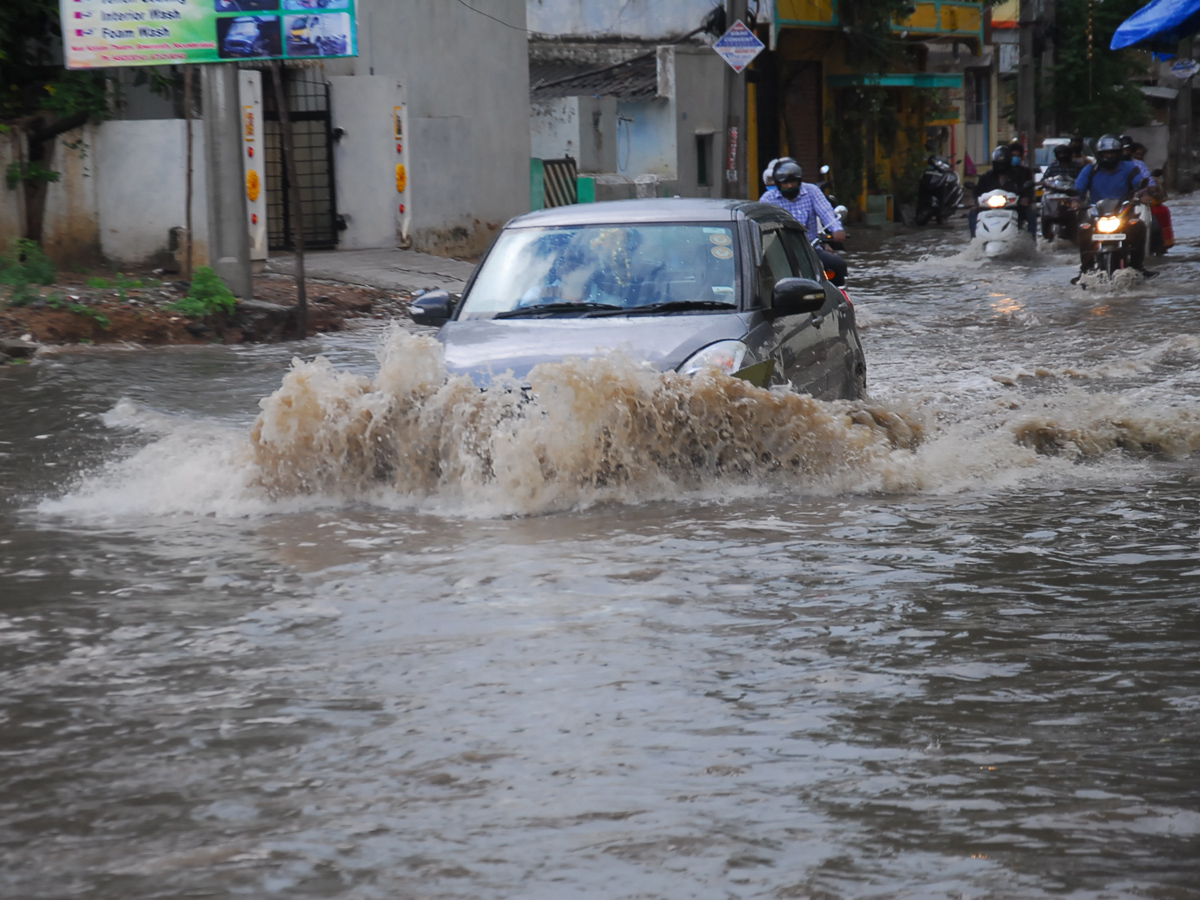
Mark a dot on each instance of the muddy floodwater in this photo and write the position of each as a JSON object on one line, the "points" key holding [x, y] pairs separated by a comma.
{"points": [[341, 629]]}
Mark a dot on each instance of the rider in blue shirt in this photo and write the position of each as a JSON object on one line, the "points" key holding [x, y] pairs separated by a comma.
{"points": [[1110, 177]]}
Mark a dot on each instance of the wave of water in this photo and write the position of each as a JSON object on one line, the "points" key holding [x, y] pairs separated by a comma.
{"points": [[608, 430]]}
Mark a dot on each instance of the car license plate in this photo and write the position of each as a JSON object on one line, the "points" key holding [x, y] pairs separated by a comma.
{"points": [[1108, 237]]}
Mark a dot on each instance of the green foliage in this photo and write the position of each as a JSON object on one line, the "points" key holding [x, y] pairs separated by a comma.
{"points": [[28, 173], [1099, 97], [31, 74], [80, 310], [22, 294], [26, 264], [120, 283], [207, 295]]}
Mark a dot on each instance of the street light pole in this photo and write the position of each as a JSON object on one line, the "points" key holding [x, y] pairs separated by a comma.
{"points": [[735, 115], [1026, 97]]}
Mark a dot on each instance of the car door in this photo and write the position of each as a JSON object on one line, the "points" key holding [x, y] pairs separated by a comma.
{"points": [[792, 341], [823, 353]]}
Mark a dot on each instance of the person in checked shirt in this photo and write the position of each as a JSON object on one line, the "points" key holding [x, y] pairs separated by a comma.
{"points": [[807, 204]]}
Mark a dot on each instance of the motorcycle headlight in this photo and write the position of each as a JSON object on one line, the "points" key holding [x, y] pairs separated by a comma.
{"points": [[1108, 224], [996, 202], [724, 356]]}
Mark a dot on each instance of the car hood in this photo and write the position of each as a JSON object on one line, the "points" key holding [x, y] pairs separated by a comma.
{"points": [[485, 348]]}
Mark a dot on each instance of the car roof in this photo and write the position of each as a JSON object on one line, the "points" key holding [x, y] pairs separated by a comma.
{"points": [[625, 212]]}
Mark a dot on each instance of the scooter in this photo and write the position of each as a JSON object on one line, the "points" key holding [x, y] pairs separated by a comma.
{"points": [[998, 227], [939, 193], [1060, 216]]}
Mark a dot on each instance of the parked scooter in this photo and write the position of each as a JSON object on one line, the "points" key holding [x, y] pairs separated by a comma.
{"points": [[939, 193], [998, 228], [1060, 211]]}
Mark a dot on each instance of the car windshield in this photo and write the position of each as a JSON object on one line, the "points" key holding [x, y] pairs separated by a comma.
{"points": [[607, 266]]}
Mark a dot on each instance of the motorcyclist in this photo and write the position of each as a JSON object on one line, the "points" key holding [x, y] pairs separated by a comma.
{"points": [[1065, 164], [1110, 177], [1127, 146], [1005, 177], [807, 204], [1024, 175], [1079, 150]]}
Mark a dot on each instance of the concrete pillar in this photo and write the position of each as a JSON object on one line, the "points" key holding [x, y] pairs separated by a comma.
{"points": [[228, 236]]}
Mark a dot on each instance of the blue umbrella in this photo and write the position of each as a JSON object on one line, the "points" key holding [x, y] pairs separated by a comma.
{"points": [[1161, 22]]}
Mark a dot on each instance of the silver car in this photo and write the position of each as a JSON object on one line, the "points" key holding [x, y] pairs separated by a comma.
{"points": [[681, 284]]}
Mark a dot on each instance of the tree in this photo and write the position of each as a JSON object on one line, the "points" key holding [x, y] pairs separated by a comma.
{"points": [[1099, 96]]}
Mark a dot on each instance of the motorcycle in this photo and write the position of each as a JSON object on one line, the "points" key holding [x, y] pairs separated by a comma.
{"points": [[939, 193], [1060, 215], [1111, 219], [998, 228], [824, 236]]}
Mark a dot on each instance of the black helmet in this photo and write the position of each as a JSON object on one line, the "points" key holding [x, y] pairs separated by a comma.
{"points": [[1108, 152], [1126, 140], [786, 169], [1062, 152], [1001, 158]]}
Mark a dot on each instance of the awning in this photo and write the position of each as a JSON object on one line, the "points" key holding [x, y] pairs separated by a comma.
{"points": [[911, 79], [1162, 22]]}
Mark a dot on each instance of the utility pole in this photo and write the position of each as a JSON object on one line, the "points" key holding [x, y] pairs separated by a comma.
{"points": [[1026, 96], [735, 115], [1181, 120], [228, 235], [1050, 118]]}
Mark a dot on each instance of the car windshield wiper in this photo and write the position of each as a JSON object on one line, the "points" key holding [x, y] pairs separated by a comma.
{"points": [[673, 306], [551, 308]]}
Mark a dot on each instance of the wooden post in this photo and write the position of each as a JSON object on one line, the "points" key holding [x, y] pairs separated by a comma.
{"points": [[289, 167]]}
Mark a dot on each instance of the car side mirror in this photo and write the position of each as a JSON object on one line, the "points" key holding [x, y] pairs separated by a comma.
{"points": [[796, 296], [432, 308]]}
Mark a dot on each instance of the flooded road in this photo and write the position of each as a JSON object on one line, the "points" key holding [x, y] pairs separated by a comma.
{"points": [[942, 644]]}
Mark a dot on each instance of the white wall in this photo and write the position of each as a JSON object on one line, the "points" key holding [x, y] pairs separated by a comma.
{"points": [[644, 19], [698, 101], [584, 128], [364, 159], [141, 169], [70, 217], [466, 78]]}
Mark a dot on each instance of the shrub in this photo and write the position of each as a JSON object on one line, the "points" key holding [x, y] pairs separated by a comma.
{"points": [[26, 264], [208, 294]]}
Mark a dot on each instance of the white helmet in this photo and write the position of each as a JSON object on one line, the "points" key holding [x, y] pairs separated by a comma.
{"points": [[769, 173]]}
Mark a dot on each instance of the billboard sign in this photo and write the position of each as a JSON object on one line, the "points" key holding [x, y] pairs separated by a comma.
{"points": [[102, 33]]}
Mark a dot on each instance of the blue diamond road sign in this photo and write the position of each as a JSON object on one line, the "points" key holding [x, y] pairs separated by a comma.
{"points": [[738, 46]]}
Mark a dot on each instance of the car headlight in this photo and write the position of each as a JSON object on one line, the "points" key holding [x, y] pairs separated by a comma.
{"points": [[997, 201], [725, 356], [1108, 224]]}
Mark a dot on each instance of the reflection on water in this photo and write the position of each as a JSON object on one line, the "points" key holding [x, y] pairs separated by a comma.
{"points": [[386, 637]]}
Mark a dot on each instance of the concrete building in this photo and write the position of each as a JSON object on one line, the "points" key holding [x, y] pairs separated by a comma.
{"points": [[630, 92], [422, 140]]}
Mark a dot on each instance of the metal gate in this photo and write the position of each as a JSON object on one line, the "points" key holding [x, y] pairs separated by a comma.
{"points": [[561, 185], [308, 110]]}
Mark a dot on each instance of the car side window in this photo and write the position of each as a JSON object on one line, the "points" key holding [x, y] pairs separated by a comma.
{"points": [[807, 264], [774, 263]]}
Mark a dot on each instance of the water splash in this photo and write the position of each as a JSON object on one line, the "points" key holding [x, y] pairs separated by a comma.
{"points": [[587, 431]]}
